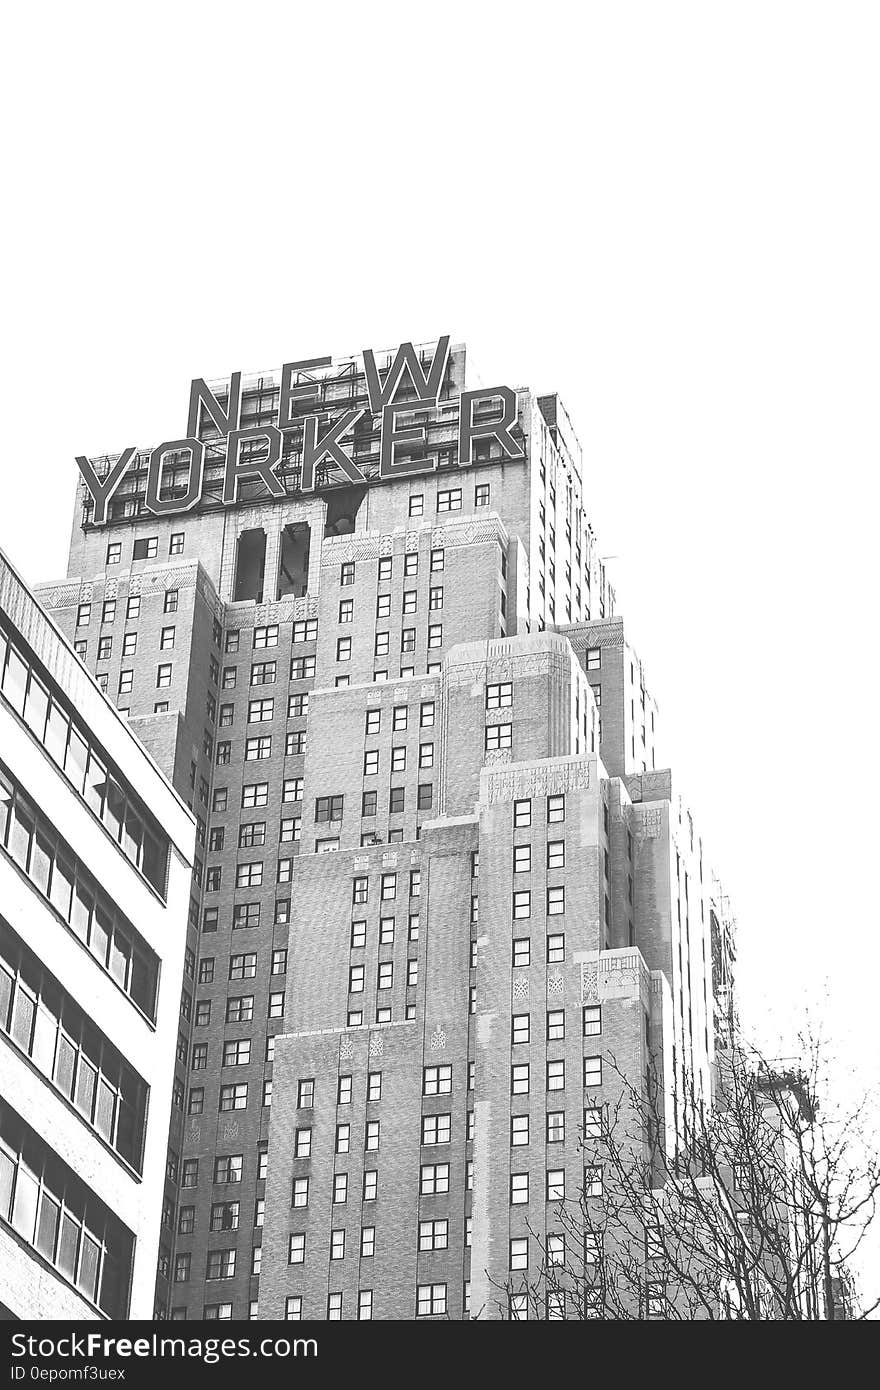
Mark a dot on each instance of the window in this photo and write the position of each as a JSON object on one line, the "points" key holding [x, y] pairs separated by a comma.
{"points": [[266, 636], [519, 1079], [343, 649], [346, 572], [410, 564], [449, 500], [291, 790], [520, 1028], [498, 736], [260, 711], [337, 1245], [481, 495], [371, 1136], [417, 504], [430, 1300], [163, 675], [233, 1097], [436, 1129], [594, 658], [556, 1076], [258, 749], [522, 814], [146, 549], [592, 1020], [592, 1071], [243, 966], [499, 696], [249, 875], [555, 948], [435, 635], [114, 553], [340, 1188], [522, 951], [433, 1179], [383, 606], [519, 1130], [296, 1254], [346, 610], [519, 1253], [385, 567], [132, 609], [522, 859], [166, 638], [555, 809], [437, 1081], [522, 903], [126, 682], [593, 1122], [254, 794], [328, 808], [593, 1186], [519, 1189], [555, 901], [555, 1025], [365, 1305]]}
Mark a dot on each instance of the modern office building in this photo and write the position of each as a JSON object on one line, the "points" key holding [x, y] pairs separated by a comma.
{"points": [[96, 854], [441, 891]]}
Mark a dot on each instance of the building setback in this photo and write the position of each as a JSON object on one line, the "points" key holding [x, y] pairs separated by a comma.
{"points": [[440, 885], [96, 855]]}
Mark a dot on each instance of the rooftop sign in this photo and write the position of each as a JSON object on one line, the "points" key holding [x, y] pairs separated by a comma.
{"points": [[254, 452]]}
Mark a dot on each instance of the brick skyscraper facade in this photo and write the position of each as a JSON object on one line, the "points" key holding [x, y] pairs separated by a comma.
{"points": [[440, 881]]}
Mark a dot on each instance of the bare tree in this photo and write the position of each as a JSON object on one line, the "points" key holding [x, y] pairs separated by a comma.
{"points": [[756, 1211]]}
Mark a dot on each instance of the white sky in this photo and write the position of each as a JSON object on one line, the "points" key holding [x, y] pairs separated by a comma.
{"points": [[669, 213]]}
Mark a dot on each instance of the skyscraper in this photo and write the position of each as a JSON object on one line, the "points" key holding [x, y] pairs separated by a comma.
{"points": [[95, 865], [441, 891]]}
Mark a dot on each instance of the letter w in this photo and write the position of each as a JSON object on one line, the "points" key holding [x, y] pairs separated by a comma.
{"points": [[427, 385]]}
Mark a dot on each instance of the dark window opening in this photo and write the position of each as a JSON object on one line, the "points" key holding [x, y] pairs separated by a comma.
{"points": [[250, 565], [293, 568]]}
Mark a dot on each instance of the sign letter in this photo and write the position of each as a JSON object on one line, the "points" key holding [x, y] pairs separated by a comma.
{"points": [[102, 489], [200, 396], [236, 469], [427, 386], [314, 451], [488, 429], [160, 505]]}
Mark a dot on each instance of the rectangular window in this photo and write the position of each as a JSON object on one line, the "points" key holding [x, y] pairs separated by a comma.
{"points": [[449, 500], [437, 1080], [499, 696], [592, 1020], [555, 901], [592, 1071]]}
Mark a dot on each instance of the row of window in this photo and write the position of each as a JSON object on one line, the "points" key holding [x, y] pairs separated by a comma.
{"points": [[449, 499], [520, 1074], [520, 1028], [242, 966], [146, 548], [130, 644], [555, 857], [34, 845], [66, 1047], [52, 1210], [436, 563], [89, 772], [522, 902], [554, 1185], [265, 673], [400, 718], [171, 603], [382, 645]]}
